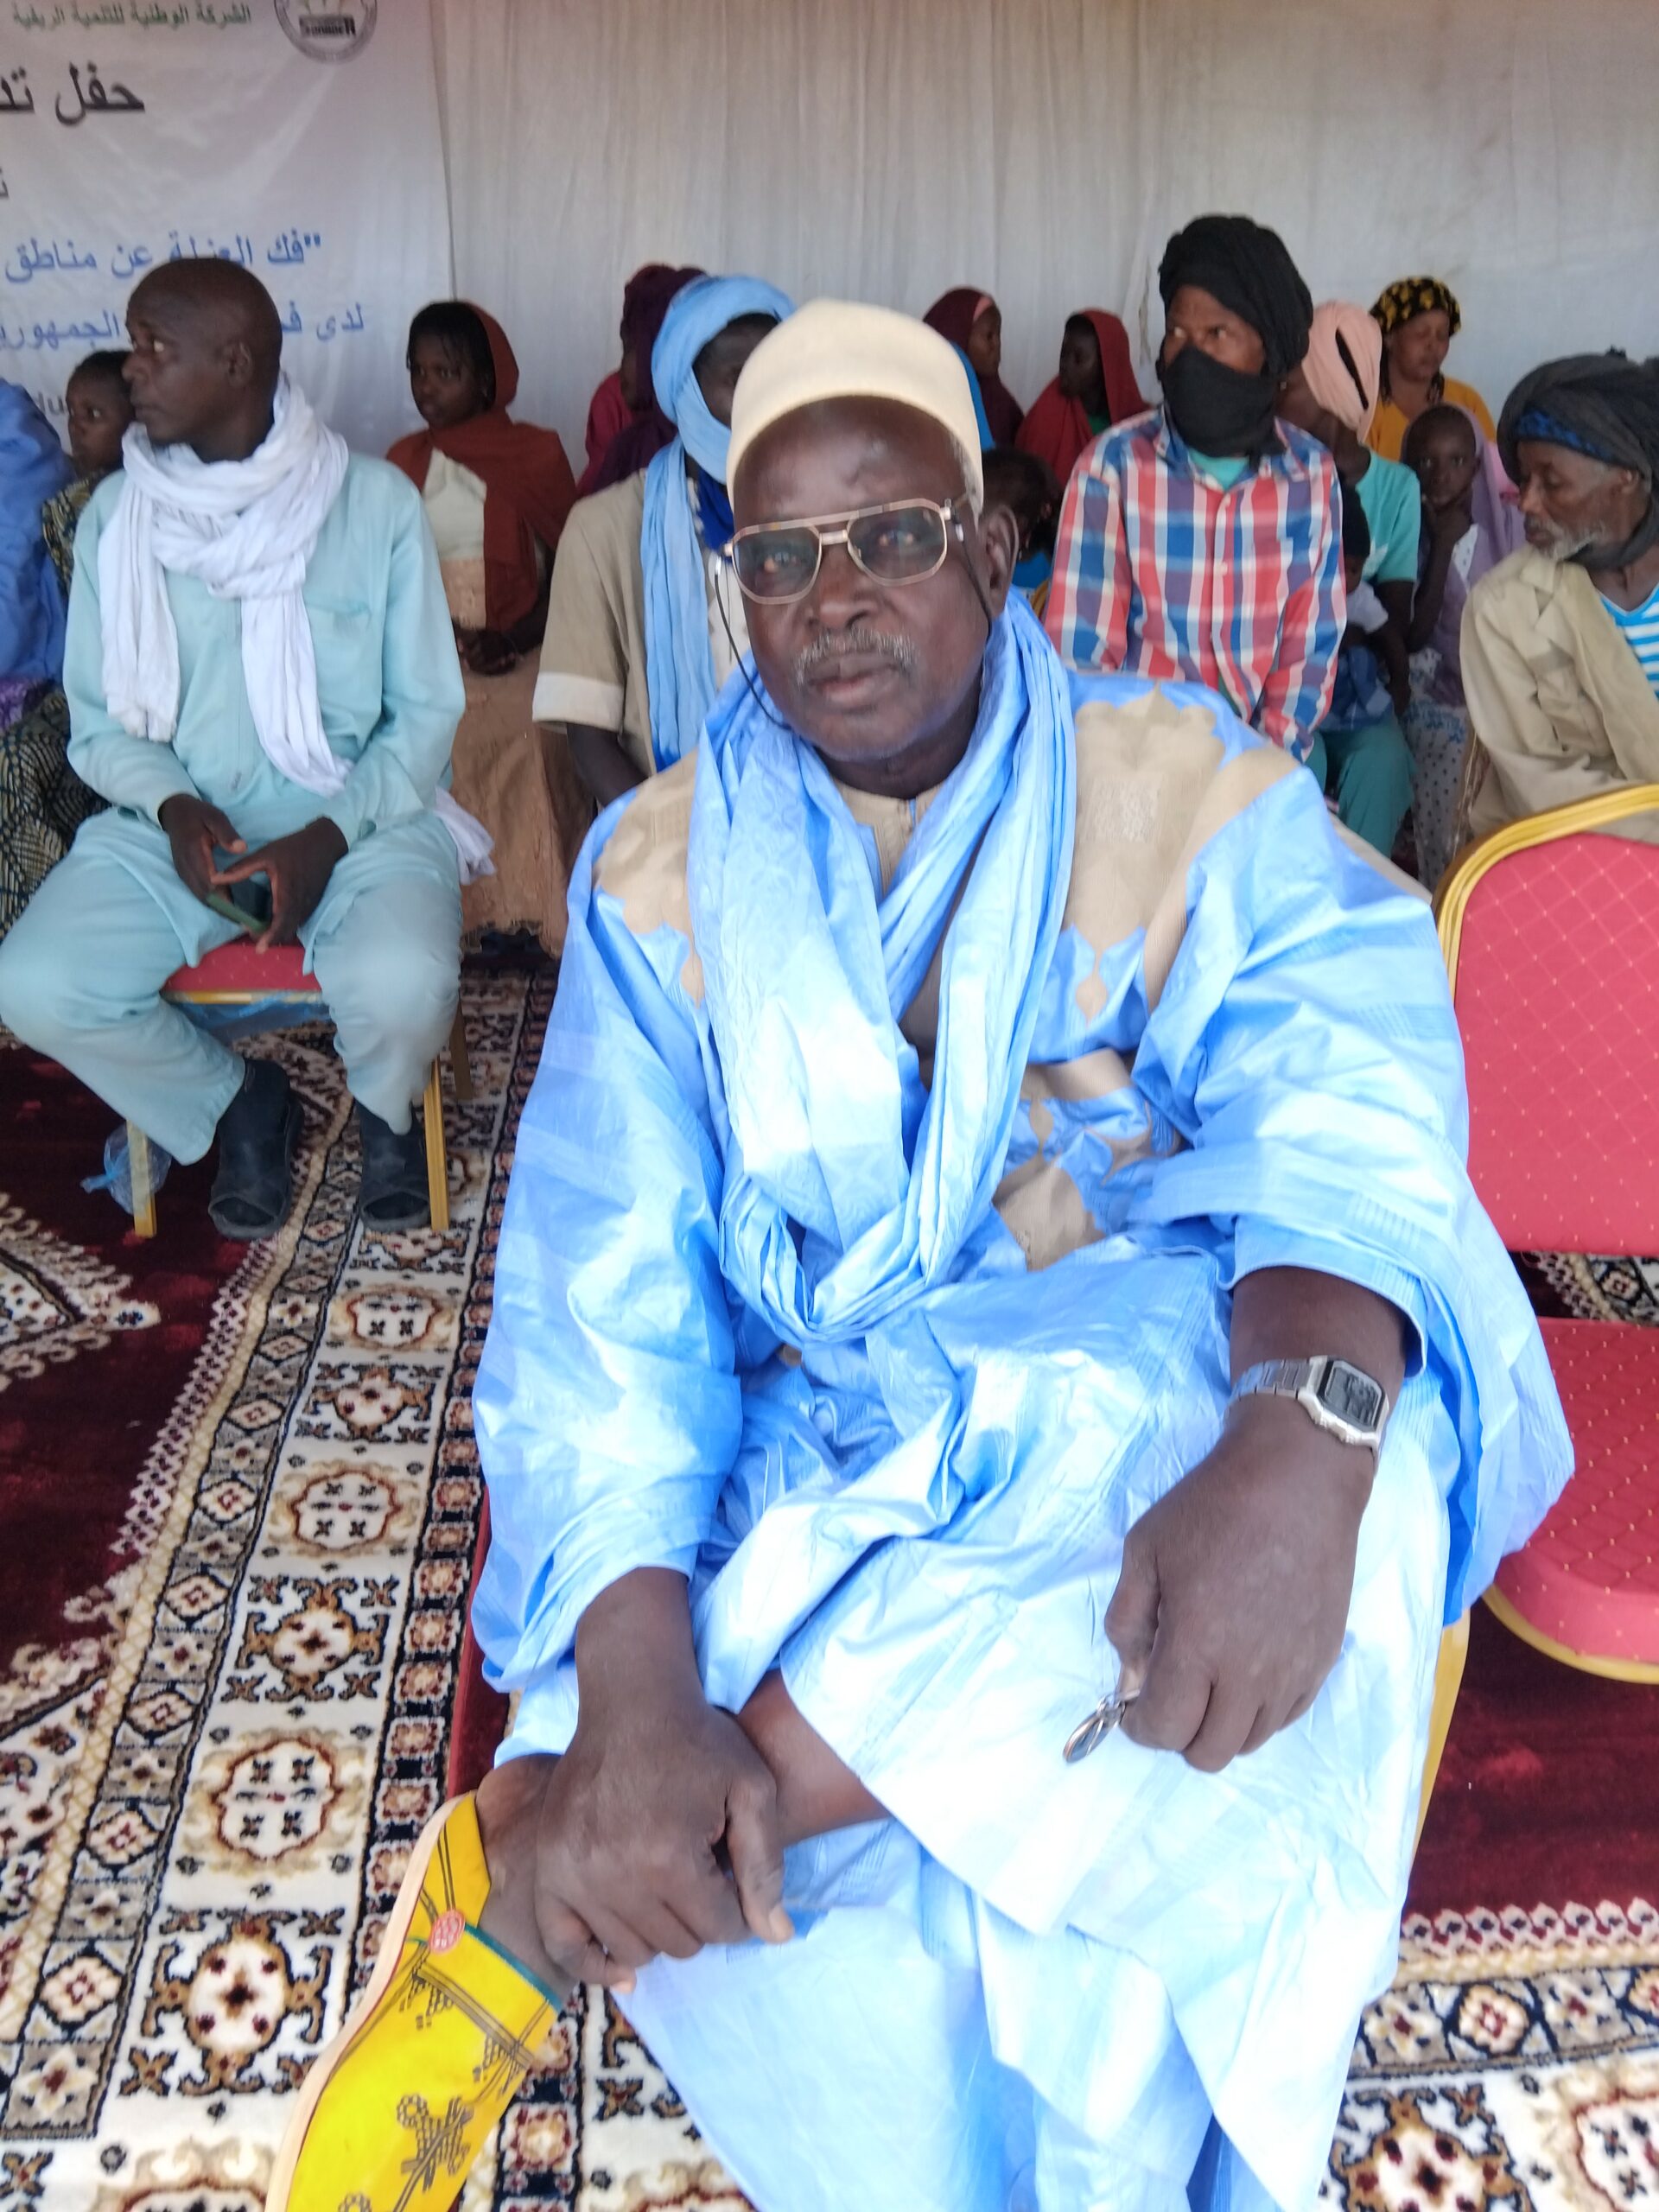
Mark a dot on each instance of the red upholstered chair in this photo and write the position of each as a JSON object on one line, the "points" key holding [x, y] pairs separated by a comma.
{"points": [[1551, 936], [235, 975]]}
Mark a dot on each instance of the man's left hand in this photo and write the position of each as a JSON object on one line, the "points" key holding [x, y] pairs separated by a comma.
{"points": [[299, 866], [1234, 1596]]}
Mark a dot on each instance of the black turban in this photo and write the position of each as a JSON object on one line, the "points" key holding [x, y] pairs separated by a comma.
{"points": [[1604, 404], [1247, 269]]}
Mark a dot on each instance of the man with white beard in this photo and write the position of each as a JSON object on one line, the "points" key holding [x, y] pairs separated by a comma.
{"points": [[1560, 642]]}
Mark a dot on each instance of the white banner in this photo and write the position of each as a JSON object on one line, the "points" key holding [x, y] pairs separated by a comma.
{"points": [[298, 137]]}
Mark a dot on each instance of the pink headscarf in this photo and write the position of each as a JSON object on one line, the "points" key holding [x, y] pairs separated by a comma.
{"points": [[1330, 379], [1497, 503]]}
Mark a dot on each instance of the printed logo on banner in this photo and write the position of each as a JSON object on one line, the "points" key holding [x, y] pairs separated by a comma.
{"points": [[328, 30]]}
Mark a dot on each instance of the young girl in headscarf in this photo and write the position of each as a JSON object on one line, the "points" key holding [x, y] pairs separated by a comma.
{"points": [[1094, 388], [647, 430], [1419, 317], [617, 398], [1470, 522], [496, 493], [972, 321]]}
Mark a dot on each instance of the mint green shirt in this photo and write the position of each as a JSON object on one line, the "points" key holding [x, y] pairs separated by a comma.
{"points": [[1393, 504], [389, 682]]}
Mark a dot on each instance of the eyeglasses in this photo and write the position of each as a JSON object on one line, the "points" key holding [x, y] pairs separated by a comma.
{"points": [[904, 542]]}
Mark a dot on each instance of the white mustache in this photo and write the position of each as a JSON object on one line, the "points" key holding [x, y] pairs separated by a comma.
{"points": [[1561, 545], [845, 644]]}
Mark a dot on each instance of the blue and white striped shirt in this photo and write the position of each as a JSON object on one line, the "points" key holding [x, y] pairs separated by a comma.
{"points": [[1639, 628]]}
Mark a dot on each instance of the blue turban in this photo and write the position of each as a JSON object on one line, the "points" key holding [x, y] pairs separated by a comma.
{"points": [[700, 311], [679, 663]]}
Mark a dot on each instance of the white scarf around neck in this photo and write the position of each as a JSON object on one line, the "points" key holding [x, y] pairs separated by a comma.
{"points": [[246, 529]]}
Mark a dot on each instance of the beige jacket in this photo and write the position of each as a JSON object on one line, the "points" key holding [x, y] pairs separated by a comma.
{"points": [[593, 667], [1557, 698]]}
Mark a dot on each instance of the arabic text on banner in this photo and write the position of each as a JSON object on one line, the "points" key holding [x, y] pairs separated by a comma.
{"points": [[298, 137]]}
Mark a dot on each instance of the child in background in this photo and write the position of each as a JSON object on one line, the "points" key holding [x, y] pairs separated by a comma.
{"points": [[42, 801], [1469, 523], [1361, 722], [99, 408], [1027, 488], [1096, 387]]}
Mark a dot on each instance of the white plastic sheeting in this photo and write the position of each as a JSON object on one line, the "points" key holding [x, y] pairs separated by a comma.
{"points": [[1045, 149]]}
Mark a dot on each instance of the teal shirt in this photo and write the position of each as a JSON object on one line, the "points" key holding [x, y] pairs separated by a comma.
{"points": [[388, 679], [1226, 468], [1392, 501]]}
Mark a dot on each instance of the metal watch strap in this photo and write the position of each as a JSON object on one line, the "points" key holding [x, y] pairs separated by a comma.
{"points": [[1335, 1394]]}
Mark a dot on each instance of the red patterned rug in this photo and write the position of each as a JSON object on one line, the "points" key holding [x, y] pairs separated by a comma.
{"points": [[238, 1507], [98, 1334], [1549, 1789]]}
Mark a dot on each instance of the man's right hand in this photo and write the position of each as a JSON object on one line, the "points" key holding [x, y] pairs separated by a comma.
{"points": [[193, 830], [621, 1850]]}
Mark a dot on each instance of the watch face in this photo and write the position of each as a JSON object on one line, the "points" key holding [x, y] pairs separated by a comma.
{"points": [[1351, 1397]]}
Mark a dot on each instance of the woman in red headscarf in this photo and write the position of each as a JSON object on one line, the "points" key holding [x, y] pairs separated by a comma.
{"points": [[620, 397], [496, 494], [646, 301], [972, 321], [1096, 387]]}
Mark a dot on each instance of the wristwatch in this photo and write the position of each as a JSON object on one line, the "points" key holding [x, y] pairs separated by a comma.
{"points": [[1335, 1394]]}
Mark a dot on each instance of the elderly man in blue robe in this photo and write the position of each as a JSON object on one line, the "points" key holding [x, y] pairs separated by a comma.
{"points": [[989, 1257]]}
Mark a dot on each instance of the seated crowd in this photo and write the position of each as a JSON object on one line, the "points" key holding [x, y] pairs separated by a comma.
{"points": [[1273, 417], [989, 1272]]}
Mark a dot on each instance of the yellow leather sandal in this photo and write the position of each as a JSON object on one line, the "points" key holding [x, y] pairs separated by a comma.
{"points": [[397, 2107]]}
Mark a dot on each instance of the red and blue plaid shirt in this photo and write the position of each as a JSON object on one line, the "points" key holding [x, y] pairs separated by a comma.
{"points": [[1160, 572]]}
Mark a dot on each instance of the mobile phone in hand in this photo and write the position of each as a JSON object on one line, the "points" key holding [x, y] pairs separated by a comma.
{"points": [[229, 910]]}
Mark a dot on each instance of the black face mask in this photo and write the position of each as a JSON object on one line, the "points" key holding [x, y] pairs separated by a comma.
{"points": [[1217, 409]]}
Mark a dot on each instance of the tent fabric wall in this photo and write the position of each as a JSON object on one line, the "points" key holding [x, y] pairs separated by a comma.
{"points": [[1044, 150]]}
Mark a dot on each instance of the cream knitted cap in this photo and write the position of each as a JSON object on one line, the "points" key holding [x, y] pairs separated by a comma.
{"points": [[841, 349]]}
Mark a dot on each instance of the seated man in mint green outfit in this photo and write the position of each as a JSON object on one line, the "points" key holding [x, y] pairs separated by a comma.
{"points": [[262, 684]]}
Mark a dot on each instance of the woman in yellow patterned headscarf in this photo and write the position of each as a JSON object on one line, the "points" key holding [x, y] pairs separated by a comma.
{"points": [[1419, 318]]}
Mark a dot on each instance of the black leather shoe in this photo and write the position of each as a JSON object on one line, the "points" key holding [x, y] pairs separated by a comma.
{"points": [[394, 1194], [258, 1138]]}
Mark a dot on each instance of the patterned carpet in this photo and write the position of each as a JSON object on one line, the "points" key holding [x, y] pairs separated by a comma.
{"points": [[238, 1498], [210, 1778]]}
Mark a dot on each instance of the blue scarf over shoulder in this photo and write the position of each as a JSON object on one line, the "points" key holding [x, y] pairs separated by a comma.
{"points": [[679, 665], [809, 966]]}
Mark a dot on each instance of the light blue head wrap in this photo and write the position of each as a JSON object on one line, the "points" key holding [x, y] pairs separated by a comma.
{"points": [[986, 440], [679, 665]]}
